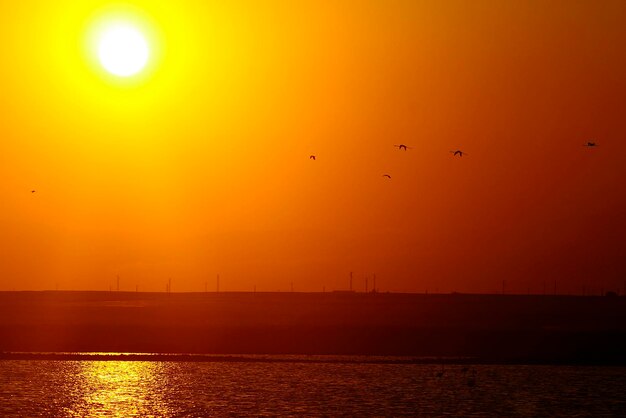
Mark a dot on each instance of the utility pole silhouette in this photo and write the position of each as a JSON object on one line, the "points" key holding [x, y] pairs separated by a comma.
{"points": [[218, 284], [555, 288], [291, 287], [503, 285], [366, 285], [205, 287], [118, 283], [136, 288], [169, 285], [351, 281], [374, 288]]}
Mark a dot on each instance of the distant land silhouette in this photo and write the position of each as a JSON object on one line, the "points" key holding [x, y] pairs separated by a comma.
{"points": [[485, 328]]}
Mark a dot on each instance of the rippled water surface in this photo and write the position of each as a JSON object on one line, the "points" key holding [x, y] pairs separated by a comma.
{"points": [[138, 388]]}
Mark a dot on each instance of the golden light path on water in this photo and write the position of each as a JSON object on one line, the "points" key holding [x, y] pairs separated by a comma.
{"points": [[32, 388], [120, 389]]}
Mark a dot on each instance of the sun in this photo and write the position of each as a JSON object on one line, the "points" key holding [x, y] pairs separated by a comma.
{"points": [[123, 50]]}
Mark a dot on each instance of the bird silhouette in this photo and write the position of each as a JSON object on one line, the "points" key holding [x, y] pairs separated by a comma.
{"points": [[402, 147], [387, 175], [590, 144], [471, 381], [33, 191], [312, 157], [459, 153]]}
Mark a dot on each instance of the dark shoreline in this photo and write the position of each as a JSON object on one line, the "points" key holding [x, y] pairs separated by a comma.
{"points": [[296, 359], [216, 358], [245, 327]]}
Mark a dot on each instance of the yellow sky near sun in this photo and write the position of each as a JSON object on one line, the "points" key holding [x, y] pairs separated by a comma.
{"points": [[200, 165]]}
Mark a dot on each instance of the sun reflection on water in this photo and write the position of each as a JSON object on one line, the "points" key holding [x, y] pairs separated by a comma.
{"points": [[173, 389], [120, 389]]}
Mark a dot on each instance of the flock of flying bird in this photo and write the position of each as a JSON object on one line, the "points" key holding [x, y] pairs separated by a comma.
{"points": [[455, 153], [404, 147]]}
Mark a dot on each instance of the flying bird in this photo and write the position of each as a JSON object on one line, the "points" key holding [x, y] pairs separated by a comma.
{"points": [[459, 153], [387, 175], [312, 157], [402, 147], [590, 144], [33, 191]]}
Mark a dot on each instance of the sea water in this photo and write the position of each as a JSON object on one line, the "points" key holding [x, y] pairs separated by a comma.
{"points": [[32, 388]]}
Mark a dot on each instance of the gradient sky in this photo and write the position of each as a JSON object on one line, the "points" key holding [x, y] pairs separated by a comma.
{"points": [[201, 166]]}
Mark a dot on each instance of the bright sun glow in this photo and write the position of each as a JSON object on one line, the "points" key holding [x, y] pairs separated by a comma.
{"points": [[123, 50]]}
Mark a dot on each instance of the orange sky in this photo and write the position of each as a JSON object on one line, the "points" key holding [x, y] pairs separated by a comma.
{"points": [[202, 166]]}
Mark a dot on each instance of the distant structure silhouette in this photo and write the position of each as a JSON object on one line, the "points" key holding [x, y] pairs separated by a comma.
{"points": [[458, 152], [387, 175], [590, 144], [312, 157], [402, 147]]}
